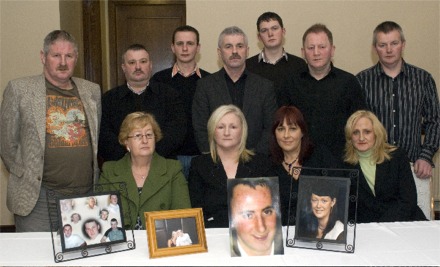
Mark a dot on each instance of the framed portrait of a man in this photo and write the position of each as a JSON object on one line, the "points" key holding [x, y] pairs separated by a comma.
{"points": [[254, 217]]}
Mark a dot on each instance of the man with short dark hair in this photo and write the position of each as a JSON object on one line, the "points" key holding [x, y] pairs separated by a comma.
{"points": [[141, 94], [183, 77], [273, 62]]}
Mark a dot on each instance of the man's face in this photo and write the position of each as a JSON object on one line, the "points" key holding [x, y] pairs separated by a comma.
{"points": [[389, 48], [67, 231], [317, 51], [92, 229], [114, 225], [104, 215], [185, 47], [254, 219], [137, 66], [114, 199], [233, 51], [271, 34], [60, 62]]}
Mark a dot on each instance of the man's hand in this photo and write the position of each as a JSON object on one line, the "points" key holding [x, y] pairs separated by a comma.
{"points": [[422, 169]]}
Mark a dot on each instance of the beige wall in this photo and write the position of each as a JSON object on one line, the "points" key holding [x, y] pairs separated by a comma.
{"points": [[23, 25]]}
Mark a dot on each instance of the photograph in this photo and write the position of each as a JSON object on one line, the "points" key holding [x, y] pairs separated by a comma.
{"points": [[175, 232], [322, 209], [90, 220], [254, 217]]}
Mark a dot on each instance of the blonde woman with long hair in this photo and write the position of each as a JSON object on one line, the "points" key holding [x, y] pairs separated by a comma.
{"points": [[386, 191]]}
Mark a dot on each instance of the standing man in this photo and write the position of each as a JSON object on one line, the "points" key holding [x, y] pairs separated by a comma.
{"points": [[183, 77], [49, 133], [326, 95], [405, 99], [233, 84], [141, 94], [273, 62]]}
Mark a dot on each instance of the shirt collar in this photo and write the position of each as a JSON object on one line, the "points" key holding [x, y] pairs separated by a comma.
{"points": [[244, 254], [137, 92], [261, 57], [177, 70], [403, 70]]}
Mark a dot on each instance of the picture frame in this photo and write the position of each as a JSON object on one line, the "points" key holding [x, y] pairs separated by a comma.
{"points": [[68, 205], [90, 218], [325, 210], [254, 210], [188, 237]]}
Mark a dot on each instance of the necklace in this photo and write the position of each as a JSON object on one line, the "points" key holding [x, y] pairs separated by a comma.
{"points": [[291, 163]]}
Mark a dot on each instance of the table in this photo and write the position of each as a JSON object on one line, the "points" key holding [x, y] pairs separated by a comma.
{"points": [[400, 243]]}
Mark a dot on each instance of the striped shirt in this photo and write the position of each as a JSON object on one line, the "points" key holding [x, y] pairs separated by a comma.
{"points": [[405, 105]]}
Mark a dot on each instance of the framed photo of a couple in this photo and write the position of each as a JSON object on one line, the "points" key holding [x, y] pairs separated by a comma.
{"points": [[175, 232], [92, 220]]}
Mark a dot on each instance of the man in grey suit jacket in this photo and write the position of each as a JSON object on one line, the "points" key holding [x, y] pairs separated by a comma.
{"points": [[233, 84], [48, 133]]}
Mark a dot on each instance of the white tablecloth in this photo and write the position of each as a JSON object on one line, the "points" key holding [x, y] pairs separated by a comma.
{"points": [[401, 243]]}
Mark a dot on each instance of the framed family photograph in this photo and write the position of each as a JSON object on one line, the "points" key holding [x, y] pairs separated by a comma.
{"points": [[326, 212], [255, 217], [175, 232], [90, 220]]}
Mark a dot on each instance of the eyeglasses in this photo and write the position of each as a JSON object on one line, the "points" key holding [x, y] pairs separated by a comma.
{"points": [[138, 137]]}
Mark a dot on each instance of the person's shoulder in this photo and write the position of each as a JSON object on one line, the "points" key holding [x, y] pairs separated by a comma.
{"points": [[342, 73], [162, 75], [296, 59], [115, 91], [25, 81], [202, 159], [204, 72], [259, 79], [115, 164], [80, 81], [252, 60], [411, 68], [367, 71]]}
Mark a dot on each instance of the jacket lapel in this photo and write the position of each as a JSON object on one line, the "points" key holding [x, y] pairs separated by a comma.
{"points": [[39, 107], [155, 180]]}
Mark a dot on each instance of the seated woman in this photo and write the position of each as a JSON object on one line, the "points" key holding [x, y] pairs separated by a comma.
{"points": [[228, 159], [321, 214], [153, 182], [386, 191], [291, 149]]}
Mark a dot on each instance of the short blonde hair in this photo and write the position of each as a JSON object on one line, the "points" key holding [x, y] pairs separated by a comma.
{"points": [[380, 150], [138, 120], [216, 116]]}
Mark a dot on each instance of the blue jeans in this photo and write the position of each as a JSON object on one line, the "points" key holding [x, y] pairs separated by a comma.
{"points": [[186, 164]]}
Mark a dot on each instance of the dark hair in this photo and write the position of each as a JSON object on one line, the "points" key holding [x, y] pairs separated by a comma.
{"points": [[186, 28], [318, 28], [66, 226], [114, 220], [268, 16], [292, 115], [386, 27], [321, 189], [133, 47]]}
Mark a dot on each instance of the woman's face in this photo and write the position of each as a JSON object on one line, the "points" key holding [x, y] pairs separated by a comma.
{"points": [[289, 137], [141, 142], [363, 137], [322, 206], [228, 132]]}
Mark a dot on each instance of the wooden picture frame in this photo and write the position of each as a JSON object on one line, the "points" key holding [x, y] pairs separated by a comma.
{"points": [[161, 225]]}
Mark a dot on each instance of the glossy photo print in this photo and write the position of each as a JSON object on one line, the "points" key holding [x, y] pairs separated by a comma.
{"points": [[90, 221], [254, 217]]}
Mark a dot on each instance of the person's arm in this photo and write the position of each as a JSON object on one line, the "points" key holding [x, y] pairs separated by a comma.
{"points": [[174, 130], [108, 143], [179, 191], [269, 109], [200, 117], [10, 130], [195, 184], [406, 203], [431, 123]]}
